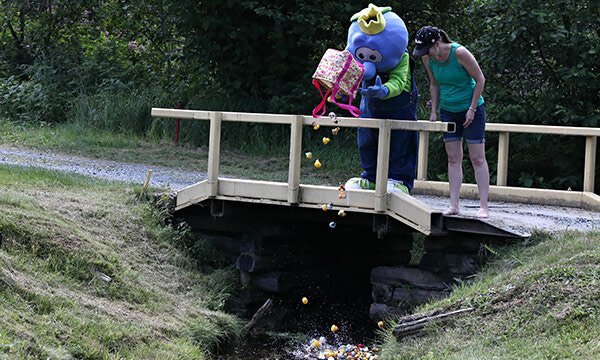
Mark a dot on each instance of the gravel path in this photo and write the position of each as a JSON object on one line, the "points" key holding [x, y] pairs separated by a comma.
{"points": [[135, 173], [523, 218]]}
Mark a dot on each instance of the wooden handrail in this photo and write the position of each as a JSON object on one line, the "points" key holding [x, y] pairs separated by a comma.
{"points": [[585, 198], [504, 130], [421, 125]]}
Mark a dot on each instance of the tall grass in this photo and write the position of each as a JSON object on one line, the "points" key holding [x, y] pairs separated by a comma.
{"points": [[86, 271], [537, 300]]}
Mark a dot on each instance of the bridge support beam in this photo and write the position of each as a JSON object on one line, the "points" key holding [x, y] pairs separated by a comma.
{"points": [[213, 152], [590, 164], [383, 155], [295, 156]]}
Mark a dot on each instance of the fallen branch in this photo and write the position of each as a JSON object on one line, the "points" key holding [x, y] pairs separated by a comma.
{"points": [[415, 324], [262, 311]]}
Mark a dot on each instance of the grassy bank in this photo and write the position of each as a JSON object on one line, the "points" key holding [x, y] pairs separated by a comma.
{"points": [[538, 300], [88, 272]]}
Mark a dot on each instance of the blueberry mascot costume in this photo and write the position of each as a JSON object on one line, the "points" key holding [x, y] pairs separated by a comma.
{"points": [[378, 38]]}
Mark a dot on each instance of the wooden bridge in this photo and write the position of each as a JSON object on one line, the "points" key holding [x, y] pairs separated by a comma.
{"points": [[400, 207], [278, 236]]}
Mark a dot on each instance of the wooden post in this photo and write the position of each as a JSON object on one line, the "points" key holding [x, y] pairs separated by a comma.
{"points": [[146, 183], [502, 172], [383, 162], [590, 164], [214, 145], [295, 156], [423, 155]]}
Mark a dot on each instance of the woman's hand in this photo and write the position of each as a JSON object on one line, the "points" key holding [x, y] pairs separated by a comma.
{"points": [[469, 118], [433, 116]]}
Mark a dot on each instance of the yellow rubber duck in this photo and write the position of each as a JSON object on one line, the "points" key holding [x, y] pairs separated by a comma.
{"points": [[308, 155], [326, 140], [317, 163]]}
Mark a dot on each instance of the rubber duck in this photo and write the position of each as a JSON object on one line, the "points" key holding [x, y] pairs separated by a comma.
{"points": [[308, 155], [341, 213], [335, 130], [342, 195], [317, 163], [334, 328], [326, 140], [332, 225], [315, 125], [304, 300]]}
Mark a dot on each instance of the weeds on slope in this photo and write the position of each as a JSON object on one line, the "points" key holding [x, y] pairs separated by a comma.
{"points": [[86, 271], [537, 300]]}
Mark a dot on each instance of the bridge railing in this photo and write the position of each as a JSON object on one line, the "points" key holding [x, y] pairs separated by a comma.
{"points": [[297, 122], [500, 191], [586, 198]]}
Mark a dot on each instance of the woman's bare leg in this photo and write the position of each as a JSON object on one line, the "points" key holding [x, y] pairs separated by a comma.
{"points": [[482, 177], [454, 149]]}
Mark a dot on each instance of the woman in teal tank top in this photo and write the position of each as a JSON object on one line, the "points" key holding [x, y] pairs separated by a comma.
{"points": [[456, 84]]}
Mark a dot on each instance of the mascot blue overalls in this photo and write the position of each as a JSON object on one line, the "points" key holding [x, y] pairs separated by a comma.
{"points": [[378, 38]]}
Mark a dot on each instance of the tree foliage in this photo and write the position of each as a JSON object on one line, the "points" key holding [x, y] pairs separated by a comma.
{"points": [[539, 58]]}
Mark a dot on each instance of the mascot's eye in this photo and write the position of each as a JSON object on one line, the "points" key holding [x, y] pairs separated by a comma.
{"points": [[368, 54]]}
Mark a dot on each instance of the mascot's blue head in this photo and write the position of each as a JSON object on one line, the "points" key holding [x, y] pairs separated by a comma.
{"points": [[377, 38]]}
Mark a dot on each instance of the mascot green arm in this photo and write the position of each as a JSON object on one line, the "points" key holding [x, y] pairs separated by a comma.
{"points": [[400, 78]]}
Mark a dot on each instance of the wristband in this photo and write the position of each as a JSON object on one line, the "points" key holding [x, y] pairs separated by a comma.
{"points": [[473, 110]]}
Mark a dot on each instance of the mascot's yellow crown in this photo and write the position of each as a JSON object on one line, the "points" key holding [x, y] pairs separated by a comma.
{"points": [[371, 20]]}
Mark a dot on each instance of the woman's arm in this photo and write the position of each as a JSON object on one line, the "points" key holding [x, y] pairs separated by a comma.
{"points": [[468, 61], [434, 90]]}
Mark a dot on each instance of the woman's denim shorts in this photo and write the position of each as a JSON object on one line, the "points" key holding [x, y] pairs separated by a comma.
{"points": [[473, 134]]}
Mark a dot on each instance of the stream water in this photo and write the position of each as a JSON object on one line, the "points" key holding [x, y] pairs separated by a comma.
{"points": [[333, 329], [296, 346]]}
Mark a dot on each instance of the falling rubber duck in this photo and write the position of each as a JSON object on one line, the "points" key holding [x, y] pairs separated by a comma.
{"points": [[326, 140], [334, 328], [305, 300], [333, 117], [317, 163], [380, 324], [332, 224], [315, 125], [308, 155], [341, 213], [335, 130], [342, 195]]}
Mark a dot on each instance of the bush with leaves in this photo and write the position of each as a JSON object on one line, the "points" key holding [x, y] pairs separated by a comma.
{"points": [[540, 60]]}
